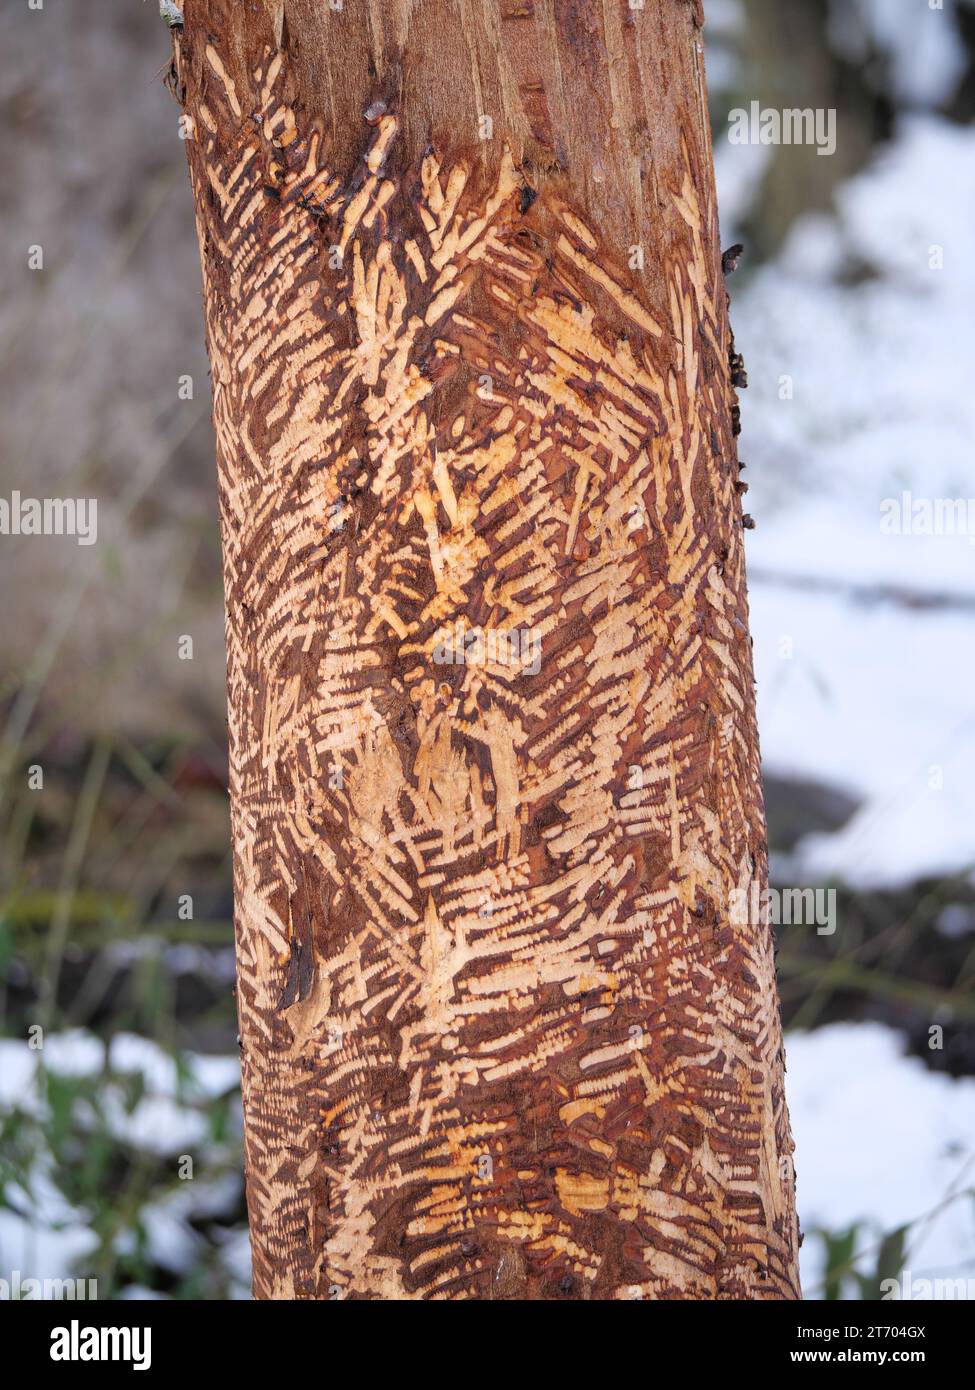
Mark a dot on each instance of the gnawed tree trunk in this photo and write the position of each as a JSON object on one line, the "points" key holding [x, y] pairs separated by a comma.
{"points": [[494, 765]]}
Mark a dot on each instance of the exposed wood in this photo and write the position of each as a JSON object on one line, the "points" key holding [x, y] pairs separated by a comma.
{"points": [[501, 1037]]}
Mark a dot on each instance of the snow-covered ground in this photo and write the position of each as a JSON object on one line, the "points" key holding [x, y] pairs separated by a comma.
{"points": [[42, 1235], [859, 394], [858, 344], [882, 1141]]}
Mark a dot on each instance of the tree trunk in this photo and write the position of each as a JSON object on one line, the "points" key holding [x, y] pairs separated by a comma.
{"points": [[493, 758]]}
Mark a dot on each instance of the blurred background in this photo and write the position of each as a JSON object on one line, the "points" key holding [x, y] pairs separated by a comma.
{"points": [[120, 1145]]}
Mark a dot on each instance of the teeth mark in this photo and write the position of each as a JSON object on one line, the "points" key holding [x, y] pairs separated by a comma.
{"points": [[217, 67], [506, 866]]}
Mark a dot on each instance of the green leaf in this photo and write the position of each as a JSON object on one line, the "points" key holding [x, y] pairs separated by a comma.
{"points": [[840, 1247]]}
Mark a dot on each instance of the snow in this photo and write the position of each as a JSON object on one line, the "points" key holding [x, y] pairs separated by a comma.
{"points": [[919, 41], [870, 701], [882, 1140], [236, 1254], [880, 678], [41, 1234], [48, 1243], [41, 1251], [210, 1076], [738, 171], [171, 1240]]}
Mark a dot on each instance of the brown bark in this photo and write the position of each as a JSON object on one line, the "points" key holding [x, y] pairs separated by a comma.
{"points": [[501, 1035]]}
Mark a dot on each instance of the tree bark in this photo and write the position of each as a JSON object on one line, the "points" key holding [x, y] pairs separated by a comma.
{"points": [[493, 758]]}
